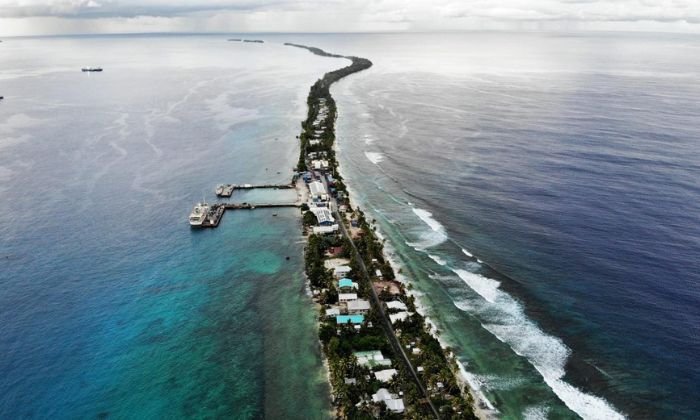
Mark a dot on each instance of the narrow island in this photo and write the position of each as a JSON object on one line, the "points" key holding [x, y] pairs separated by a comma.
{"points": [[383, 358]]}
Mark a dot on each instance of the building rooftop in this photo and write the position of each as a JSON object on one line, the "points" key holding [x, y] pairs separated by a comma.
{"points": [[349, 319], [371, 358], [358, 305], [398, 316], [346, 282], [385, 375], [344, 297], [395, 304], [317, 188]]}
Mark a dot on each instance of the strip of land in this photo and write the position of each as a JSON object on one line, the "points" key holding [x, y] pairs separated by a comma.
{"points": [[383, 359]]}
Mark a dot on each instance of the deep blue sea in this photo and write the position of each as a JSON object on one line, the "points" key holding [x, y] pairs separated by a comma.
{"points": [[540, 192], [110, 305]]}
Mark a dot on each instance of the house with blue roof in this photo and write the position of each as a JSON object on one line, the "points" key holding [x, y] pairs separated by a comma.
{"points": [[350, 319], [347, 283]]}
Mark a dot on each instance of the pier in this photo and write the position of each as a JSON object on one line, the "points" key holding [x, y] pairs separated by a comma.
{"points": [[217, 210], [227, 190]]}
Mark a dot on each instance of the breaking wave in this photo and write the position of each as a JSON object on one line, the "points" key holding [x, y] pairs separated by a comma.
{"points": [[374, 157], [435, 236], [504, 317], [437, 259]]}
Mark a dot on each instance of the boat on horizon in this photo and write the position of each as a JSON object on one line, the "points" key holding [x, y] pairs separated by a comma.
{"points": [[91, 69], [199, 214]]}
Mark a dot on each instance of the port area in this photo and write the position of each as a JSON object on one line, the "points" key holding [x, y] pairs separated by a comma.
{"points": [[217, 210]]}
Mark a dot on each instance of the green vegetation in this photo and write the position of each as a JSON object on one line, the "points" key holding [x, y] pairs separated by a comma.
{"points": [[435, 389]]}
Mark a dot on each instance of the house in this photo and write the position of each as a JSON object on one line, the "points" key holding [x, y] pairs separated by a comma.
{"points": [[324, 230], [320, 165], [396, 304], [400, 316], [358, 306], [349, 319], [317, 189], [342, 270], [385, 375], [371, 358], [347, 297], [347, 283], [314, 142], [392, 401], [323, 215], [332, 311], [378, 273]]}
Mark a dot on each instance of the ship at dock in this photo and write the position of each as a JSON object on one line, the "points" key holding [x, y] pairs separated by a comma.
{"points": [[199, 214]]}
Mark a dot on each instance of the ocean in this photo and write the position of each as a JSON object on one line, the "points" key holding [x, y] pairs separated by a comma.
{"points": [[110, 305], [540, 192]]}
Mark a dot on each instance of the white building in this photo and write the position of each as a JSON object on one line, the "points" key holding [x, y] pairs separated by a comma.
{"points": [[385, 375], [347, 297], [392, 401], [317, 189], [323, 230], [320, 164], [359, 306], [323, 215], [400, 316], [395, 304], [371, 358], [332, 312], [342, 271]]}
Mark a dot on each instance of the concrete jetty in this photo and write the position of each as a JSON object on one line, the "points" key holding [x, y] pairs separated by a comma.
{"points": [[227, 190]]}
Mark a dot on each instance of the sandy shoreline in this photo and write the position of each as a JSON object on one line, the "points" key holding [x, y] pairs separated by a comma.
{"points": [[483, 408]]}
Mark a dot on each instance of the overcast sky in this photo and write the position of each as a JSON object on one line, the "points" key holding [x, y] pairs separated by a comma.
{"points": [[35, 17]]}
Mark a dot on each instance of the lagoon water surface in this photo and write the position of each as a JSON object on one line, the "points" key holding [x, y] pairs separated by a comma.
{"points": [[110, 305]]}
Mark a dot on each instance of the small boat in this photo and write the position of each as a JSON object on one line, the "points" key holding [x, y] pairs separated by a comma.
{"points": [[91, 69], [199, 214]]}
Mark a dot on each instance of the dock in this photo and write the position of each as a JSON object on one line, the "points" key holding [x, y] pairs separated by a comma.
{"points": [[227, 190], [216, 213]]}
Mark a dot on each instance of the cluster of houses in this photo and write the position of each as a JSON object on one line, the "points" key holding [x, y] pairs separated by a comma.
{"points": [[350, 308], [374, 359]]}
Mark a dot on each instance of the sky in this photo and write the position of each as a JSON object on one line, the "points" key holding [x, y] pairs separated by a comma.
{"points": [[36, 17]]}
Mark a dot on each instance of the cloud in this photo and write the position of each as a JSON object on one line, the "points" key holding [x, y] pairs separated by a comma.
{"points": [[128, 8], [342, 15]]}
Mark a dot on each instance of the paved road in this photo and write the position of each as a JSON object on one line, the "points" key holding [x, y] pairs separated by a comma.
{"points": [[386, 322]]}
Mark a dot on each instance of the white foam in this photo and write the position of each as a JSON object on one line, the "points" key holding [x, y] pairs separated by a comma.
{"points": [[486, 288], [475, 385], [467, 253], [427, 217], [504, 317], [437, 259], [536, 412], [374, 157]]}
